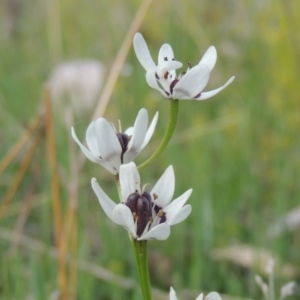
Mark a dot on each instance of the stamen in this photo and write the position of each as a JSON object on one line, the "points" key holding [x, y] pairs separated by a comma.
{"points": [[165, 59], [144, 187], [166, 75], [120, 126], [154, 196], [160, 213], [172, 85]]}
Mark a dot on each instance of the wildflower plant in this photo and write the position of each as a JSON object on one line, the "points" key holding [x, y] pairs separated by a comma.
{"points": [[147, 212]]}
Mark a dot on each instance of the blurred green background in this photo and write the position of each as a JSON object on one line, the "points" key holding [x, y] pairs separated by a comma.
{"points": [[239, 151]]}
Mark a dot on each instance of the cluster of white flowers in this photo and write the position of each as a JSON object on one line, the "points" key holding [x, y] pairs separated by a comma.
{"points": [[147, 215]]}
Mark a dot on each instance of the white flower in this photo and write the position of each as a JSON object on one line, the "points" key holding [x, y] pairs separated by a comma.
{"points": [[111, 149], [162, 77], [145, 215], [210, 296]]}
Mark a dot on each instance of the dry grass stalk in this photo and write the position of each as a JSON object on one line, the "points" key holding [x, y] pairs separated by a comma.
{"points": [[120, 59], [16, 148], [56, 201], [12, 189]]}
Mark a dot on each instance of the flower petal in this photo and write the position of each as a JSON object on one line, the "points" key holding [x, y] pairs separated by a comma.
{"points": [[159, 232], [139, 133], [200, 297], [213, 296], [91, 156], [152, 82], [108, 143], [165, 53], [163, 190], [142, 52], [172, 294], [86, 152], [178, 203], [209, 58], [167, 66], [175, 211], [129, 131], [150, 131], [192, 83], [206, 95], [122, 215], [180, 216], [129, 180], [91, 139], [106, 203]]}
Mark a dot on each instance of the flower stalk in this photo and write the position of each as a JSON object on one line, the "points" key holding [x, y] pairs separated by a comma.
{"points": [[141, 259], [173, 116]]}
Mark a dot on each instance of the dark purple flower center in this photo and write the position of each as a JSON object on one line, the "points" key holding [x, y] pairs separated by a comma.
{"points": [[124, 140], [141, 208]]}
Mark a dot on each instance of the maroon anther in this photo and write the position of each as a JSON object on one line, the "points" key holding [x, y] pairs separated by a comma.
{"points": [[172, 85]]}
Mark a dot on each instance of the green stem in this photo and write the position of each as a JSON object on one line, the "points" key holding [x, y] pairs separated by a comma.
{"points": [[140, 254], [170, 130]]}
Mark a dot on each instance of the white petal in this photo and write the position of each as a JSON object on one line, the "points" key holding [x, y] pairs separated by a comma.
{"points": [[159, 232], [122, 215], [206, 95], [166, 66], [200, 297], [150, 131], [165, 52], [87, 152], [129, 131], [209, 58], [178, 203], [152, 81], [192, 83], [129, 180], [91, 139], [91, 156], [142, 52], [180, 216], [106, 203], [108, 143], [172, 294], [164, 188], [139, 133], [213, 296]]}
